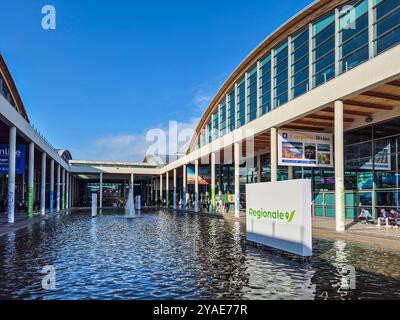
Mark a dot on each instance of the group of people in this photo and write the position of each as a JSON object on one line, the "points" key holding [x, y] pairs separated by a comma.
{"points": [[390, 218], [20, 206]]}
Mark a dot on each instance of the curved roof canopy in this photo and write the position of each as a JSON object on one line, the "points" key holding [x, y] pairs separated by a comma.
{"points": [[311, 13], [16, 100]]}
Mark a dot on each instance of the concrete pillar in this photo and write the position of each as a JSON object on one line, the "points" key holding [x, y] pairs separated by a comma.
{"points": [[11, 174], [31, 176], [184, 187], [43, 185], [58, 207], [167, 189], [258, 168], [196, 185], [51, 206], [67, 192], [161, 190], [174, 196], [274, 153], [290, 173], [155, 190], [212, 187], [101, 191], [339, 168], [237, 178], [63, 190]]}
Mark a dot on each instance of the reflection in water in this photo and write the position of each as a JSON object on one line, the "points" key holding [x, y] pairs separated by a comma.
{"points": [[179, 256]]}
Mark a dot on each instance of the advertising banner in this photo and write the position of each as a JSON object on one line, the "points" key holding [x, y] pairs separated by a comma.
{"points": [[278, 215], [382, 160], [204, 175], [305, 149], [20, 159]]}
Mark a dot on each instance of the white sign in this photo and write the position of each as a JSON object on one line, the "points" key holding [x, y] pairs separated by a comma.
{"points": [[279, 215], [305, 149]]}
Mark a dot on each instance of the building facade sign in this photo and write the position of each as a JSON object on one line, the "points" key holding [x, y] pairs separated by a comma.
{"points": [[305, 149]]}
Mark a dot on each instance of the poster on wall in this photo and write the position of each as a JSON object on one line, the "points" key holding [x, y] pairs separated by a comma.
{"points": [[20, 159], [203, 175], [382, 160], [305, 149]]}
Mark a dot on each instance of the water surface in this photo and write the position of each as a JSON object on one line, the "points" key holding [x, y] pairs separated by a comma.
{"points": [[166, 255]]}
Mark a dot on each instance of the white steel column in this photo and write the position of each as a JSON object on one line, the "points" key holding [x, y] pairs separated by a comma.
{"points": [[184, 187], [274, 160], [155, 191], [31, 175], [237, 178], [339, 168], [101, 191], [43, 186], [58, 187], [213, 204], [63, 190], [67, 192], [174, 197], [290, 173], [196, 185], [11, 174], [167, 189], [161, 190], [51, 206], [371, 29]]}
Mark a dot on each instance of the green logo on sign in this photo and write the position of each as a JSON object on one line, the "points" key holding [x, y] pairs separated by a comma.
{"points": [[276, 215]]}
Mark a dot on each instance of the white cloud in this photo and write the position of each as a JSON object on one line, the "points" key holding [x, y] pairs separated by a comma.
{"points": [[134, 147]]}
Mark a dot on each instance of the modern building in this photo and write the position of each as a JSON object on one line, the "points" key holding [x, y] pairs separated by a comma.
{"points": [[332, 71]]}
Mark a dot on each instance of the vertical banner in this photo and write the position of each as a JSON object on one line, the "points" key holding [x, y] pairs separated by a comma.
{"points": [[51, 201], [213, 205], [20, 154], [305, 149], [30, 202]]}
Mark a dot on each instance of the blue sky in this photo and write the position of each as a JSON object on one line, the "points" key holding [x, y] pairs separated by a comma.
{"points": [[112, 70]]}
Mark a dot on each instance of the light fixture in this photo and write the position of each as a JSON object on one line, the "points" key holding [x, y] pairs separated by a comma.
{"points": [[369, 119]]}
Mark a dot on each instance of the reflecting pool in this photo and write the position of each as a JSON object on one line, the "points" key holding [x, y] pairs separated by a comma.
{"points": [[167, 255]]}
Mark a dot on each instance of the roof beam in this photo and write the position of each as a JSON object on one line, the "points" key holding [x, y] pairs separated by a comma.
{"points": [[367, 105], [381, 95], [350, 112], [322, 117]]}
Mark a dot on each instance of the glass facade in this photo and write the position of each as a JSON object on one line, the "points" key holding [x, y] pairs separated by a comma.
{"points": [[5, 92], [231, 110], [281, 74], [387, 24], [300, 63], [353, 35], [252, 94], [333, 44], [265, 85], [241, 104], [223, 118], [323, 50]]}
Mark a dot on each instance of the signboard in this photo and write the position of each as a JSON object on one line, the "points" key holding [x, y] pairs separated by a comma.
{"points": [[305, 149], [203, 175], [19, 155], [382, 160], [278, 215]]}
